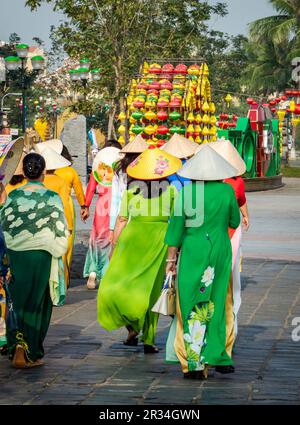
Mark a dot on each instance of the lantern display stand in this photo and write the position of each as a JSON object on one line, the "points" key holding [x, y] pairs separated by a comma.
{"points": [[166, 97], [258, 139]]}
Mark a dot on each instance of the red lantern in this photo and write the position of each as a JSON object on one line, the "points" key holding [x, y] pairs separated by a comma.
{"points": [[283, 97], [166, 85], [154, 69], [225, 125], [142, 86], [232, 125], [162, 115], [180, 69], [138, 103], [295, 93], [278, 99], [155, 86], [273, 110], [224, 116], [153, 91], [162, 129], [272, 102], [289, 92], [235, 118], [162, 104], [255, 104], [250, 100], [297, 109], [168, 68]]}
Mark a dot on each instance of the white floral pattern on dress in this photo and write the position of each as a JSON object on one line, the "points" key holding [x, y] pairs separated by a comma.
{"points": [[208, 276]]}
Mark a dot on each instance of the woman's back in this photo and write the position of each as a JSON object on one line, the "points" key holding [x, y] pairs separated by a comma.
{"points": [[209, 207]]}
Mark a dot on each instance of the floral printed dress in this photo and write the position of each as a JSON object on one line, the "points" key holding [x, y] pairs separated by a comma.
{"points": [[197, 335]]}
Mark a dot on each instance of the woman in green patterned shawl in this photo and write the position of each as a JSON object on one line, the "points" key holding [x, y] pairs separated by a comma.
{"points": [[36, 236]]}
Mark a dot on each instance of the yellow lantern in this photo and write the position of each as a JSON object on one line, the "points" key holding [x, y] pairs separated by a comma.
{"points": [[191, 138], [150, 129], [122, 129], [281, 114], [213, 130], [295, 122], [190, 129], [150, 115], [213, 120], [205, 119], [205, 107], [191, 117], [212, 107], [198, 129], [121, 140], [198, 119], [205, 131], [131, 137], [228, 99], [132, 120], [198, 139], [122, 116], [292, 105]]}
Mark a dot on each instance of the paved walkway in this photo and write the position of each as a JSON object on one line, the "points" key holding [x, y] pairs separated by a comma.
{"points": [[86, 365]]}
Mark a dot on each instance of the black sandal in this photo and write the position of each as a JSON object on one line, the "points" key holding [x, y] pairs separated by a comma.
{"points": [[132, 342], [150, 349], [198, 374], [225, 369]]}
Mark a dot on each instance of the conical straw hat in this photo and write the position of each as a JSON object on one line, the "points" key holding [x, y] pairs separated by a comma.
{"points": [[153, 164], [207, 165], [19, 169], [54, 161], [226, 149], [10, 156], [138, 145], [180, 147], [54, 144]]}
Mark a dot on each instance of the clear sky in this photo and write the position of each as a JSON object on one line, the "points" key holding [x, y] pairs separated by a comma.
{"points": [[14, 17]]}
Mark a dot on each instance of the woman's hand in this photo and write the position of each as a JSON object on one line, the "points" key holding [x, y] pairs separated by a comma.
{"points": [[246, 223], [171, 267], [84, 213]]}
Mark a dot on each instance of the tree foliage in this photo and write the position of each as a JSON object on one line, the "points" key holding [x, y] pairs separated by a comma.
{"points": [[116, 35]]}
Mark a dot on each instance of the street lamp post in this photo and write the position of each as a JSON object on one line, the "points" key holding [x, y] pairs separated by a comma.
{"points": [[16, 63]]}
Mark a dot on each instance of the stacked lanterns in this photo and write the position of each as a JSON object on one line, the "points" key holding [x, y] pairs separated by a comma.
{"points": [[168, 99], [226, 121]]}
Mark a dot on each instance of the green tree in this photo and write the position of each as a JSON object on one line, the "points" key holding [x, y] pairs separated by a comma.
{"points": [[116, 34], [284, 25], [269, 67]]}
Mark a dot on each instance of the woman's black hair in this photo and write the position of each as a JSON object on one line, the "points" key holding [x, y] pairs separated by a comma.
{"points": [[112, 143], [16, 179], [150, 188], [66, 154], [122, 165], [33, 166]]}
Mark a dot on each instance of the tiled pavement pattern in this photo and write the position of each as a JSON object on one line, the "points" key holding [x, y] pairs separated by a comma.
{"points": [[86, 365]]}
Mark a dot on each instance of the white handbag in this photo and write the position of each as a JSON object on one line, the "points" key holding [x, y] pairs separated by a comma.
{"points": [[166, 302]]}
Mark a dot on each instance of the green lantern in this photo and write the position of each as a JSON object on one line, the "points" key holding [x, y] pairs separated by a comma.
{"points": [[137, 115], [175, 116], [182, 130], [175, 129], [137, 129]]}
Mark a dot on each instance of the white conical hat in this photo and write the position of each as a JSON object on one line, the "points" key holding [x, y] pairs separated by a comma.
{"points": [[137, 145], [207, 165], [54, 144], [54, 161], [180, 147], [226, 149]]}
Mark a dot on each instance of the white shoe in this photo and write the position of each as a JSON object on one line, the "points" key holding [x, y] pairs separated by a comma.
{"points": [[91, 283]]}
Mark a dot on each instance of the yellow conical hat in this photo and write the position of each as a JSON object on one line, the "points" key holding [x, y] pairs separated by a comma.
{"points": [[153, 164], [137, 145], [180, 146]]}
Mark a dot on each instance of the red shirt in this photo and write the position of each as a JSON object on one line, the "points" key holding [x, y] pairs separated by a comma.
{"points": [[239, 189]]}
